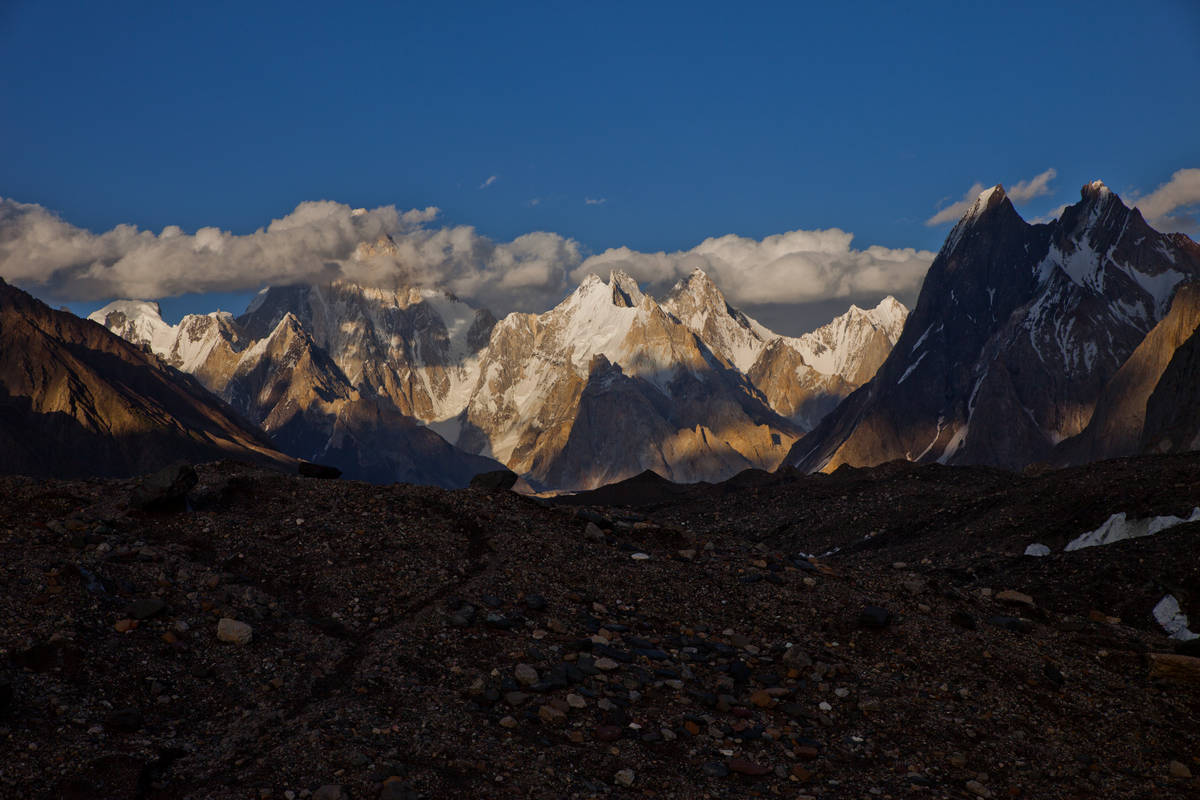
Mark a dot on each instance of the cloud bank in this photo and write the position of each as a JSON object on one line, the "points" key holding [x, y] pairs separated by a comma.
{"points": [[1167, 207], [322, 241], [1020, 192], [794, 267], [318, 241]]}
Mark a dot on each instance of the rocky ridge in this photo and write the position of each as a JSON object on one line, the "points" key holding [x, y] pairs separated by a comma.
{"points": [[1017, 330], [76, 400]]}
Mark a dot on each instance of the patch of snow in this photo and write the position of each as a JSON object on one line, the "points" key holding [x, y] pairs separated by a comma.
{"points": [[1170, 616], [1037, 550], [1117, 529], [911, 367]]}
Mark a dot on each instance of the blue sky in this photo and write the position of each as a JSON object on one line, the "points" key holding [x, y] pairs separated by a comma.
{"points": [[678, 121]]}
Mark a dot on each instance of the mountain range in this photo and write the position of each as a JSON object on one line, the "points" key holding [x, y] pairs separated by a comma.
{"points": [[416, 385], [1058, 343]]}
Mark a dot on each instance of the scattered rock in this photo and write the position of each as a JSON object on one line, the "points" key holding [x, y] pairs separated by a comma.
{"points": [[1014, 598], [977, 788], [551, 715], [124, 720], [499, 480], [714, 769], [330, 792], [322, 471], [508, 722], [146, 608], [624, 777], [592, 533], [744, 766], [230, 630], [165, 490], [874, 617], [1172, 667], [1179, 770], [525, 675]]}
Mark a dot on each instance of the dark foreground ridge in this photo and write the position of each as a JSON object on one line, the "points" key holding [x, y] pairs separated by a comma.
{"points": [[294, 637]]}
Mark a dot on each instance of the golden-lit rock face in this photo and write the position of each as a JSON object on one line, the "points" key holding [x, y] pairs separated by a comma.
{"points": [[606, 385], [79, 401]]}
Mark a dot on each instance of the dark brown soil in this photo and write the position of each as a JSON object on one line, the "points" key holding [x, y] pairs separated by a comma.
{"points": [[388, 623]]}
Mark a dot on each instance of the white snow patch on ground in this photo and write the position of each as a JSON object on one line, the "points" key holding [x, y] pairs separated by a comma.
{"points": [[1037, 550], [1117, 529], [1172, 619]]}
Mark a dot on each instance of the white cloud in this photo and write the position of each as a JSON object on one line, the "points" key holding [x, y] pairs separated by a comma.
{"points": [[794, 267], [491, 179], [1038, 185], [595, 201], [316, 242], [1021, 192], [324, 240], [1161, 206]]}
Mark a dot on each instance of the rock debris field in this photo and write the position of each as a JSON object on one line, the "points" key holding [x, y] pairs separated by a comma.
{"points": [[289, 637]]}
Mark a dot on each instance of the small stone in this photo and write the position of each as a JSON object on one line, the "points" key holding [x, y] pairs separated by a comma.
{"points": [[688, 555], [963, 620], [607, 733], [551, 715], [1014, 598], [744, 766], [796, 657], [762, 699], [592, 533], [624, 777], [606, 664], [230, 630], [874, 617], [330, 791], [125, 720], [977, 788], [576, 701], [508, 722], [640, 556], [714, 769], [1179, 770], [146, 608], [525, 675], [125, 625]]}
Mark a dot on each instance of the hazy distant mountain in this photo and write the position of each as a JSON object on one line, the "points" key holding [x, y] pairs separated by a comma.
{"points": [[1017, 331], [76, 400]]}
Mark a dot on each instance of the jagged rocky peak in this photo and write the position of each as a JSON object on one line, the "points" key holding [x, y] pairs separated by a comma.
{"points": [[625, 290]]}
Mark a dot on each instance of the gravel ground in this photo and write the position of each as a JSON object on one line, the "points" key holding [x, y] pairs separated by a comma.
{"points": [[409, 642]]}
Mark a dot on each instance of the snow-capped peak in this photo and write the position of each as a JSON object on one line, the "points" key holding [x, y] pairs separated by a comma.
{"points": [[625, 290], [987, 199], [137, 321]]}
